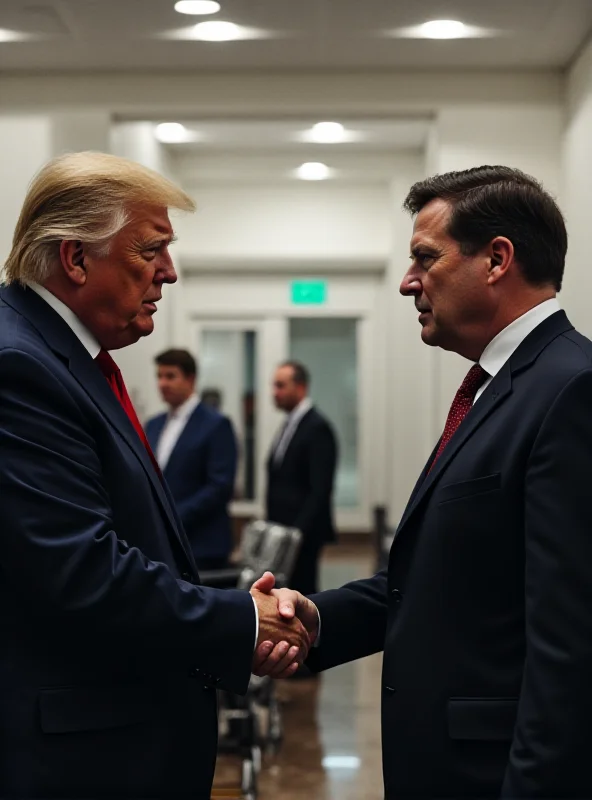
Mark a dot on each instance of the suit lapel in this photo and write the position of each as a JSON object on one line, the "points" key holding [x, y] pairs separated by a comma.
{"points": [[191, 428], [491, 399], [296, 433], [154, 431], [64, 343]]}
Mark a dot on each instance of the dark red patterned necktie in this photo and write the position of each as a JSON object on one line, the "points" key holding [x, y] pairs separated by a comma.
{"points": [[461, 405], [115, 380]]}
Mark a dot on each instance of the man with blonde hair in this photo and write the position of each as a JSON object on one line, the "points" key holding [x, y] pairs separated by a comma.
{"points": [[111, 649]]}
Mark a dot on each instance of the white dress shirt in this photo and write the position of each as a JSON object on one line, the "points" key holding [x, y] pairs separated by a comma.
{"points": [[500, 348], [174, 426], [287, 432], [69, 317]]}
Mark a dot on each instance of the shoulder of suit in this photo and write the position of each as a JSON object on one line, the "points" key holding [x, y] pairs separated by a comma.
{"points": [[215, 418], [314, 417], [156, 418]]}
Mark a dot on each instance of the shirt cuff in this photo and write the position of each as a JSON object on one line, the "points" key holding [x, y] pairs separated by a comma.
{"points": [[257, 623], [317, 641]]}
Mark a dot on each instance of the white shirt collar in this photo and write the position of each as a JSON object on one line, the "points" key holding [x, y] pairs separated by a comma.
{"points": [[70, 318], [186, 409], [501, 347]]}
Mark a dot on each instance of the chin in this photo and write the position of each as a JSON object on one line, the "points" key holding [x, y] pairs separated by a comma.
{"points": [[142, 326], [429, 336]]}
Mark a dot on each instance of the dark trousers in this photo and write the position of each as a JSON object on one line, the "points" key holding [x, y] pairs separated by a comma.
{"points": [[305, 576]]}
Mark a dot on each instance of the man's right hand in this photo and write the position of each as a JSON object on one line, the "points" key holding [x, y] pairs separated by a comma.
{"points": [[281, 661], [283, 641]]}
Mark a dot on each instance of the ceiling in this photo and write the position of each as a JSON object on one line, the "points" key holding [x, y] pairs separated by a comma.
{"points": [[295, 35], [288, 136]]}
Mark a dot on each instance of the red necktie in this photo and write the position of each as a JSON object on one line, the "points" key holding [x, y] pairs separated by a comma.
{"points": [[461, 405], [115, 380]]}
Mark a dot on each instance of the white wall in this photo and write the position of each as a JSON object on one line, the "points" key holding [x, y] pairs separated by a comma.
{"points": [[26, 147], [295, 221], [577, 193]]}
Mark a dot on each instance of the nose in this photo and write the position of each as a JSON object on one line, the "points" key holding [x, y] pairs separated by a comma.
{"points": [[410, 285], [167, 273]]}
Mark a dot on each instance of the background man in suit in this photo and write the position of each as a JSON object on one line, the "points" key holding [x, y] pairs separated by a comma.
{"points": [[196, 450], [111, 649], [485, 610], [301, 472]]}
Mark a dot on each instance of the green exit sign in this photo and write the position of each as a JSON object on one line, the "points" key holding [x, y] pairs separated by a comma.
{"points": [[312, 293]]}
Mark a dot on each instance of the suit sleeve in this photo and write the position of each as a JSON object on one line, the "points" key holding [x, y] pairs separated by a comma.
{"points": [[220, 475], [66, 564], [353, 622], [322, 457], [551, 746]]}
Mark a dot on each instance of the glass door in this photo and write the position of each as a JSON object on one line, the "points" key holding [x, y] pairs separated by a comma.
{"points": [[227, 355], [328, 347]]}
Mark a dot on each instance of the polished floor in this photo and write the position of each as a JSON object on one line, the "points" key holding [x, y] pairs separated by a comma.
{"points": [[331, 748]]}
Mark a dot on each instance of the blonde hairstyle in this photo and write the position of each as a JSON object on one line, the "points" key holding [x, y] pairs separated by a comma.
{"points": [[86, 197]]}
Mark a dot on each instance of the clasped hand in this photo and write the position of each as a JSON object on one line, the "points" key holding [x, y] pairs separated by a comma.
{"points": [[288, 626]]}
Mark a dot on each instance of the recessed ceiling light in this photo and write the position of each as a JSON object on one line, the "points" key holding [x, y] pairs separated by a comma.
{"points": [[197, 7], [174, 133], [443, 29], [217, 31], [328, 132], [313, 171], [13, 36]]}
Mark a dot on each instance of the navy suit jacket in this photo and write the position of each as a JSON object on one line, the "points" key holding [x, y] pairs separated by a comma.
{"points": [[200, 473], [485, 611], [109, 647], [300, 487]]}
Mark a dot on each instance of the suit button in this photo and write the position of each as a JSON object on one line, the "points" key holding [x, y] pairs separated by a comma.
{"points": [[397, 596], [390, 689], [194, 673], [186, 576]]}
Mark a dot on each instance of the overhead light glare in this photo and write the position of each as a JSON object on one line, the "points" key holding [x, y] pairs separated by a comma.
{"points": [[217, 31], [197, 7], [12, 36], [341, 762], [329, 132], [313, 171], [174, 133], [443, 29]]}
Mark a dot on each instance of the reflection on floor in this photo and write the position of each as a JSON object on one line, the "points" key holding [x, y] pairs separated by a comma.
{"points": [[331, 748]]}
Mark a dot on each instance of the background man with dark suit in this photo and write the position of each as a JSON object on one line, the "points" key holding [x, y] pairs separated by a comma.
{"points": [[301, 472], [195, 447], [110, 647], [485, 610]]}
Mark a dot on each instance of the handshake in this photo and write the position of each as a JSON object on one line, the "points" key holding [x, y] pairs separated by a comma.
{"points": [[288, 627]]}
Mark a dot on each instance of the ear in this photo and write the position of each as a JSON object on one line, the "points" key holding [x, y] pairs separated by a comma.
{"points": [[72, 258], [501, 258]]}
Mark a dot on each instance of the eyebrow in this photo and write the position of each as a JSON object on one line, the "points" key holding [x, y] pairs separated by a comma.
{"points": [[419, 249], [158, 240]]}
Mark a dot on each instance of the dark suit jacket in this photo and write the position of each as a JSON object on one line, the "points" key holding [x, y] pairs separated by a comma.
{"points": [[110, 648], [200, 473], [300, 487], [485, 611]]}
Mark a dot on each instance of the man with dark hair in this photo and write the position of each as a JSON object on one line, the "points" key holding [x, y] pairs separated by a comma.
{"points": [[301, 472], [485, 611], [195, 447]]}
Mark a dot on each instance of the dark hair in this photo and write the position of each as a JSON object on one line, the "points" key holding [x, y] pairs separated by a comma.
{"points": [[300, 374], [501, 201], [178, 358]]}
